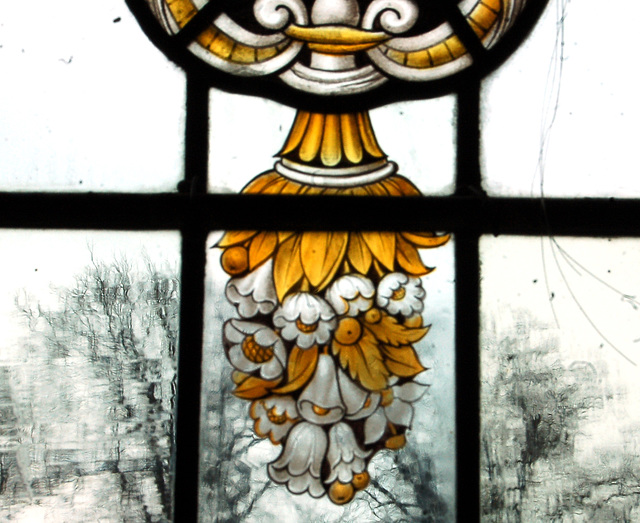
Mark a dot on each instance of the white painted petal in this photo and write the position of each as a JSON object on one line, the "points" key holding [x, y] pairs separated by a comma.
{"points": [[305, 340], [254, 292], [304, 450], [351, 294], [399, 413], [353, 396], [271, 369], [374, 426], [232, 334], [280, 352], [240, 361], [248, 328], [409, 392], [322, 391], [323, 333]]}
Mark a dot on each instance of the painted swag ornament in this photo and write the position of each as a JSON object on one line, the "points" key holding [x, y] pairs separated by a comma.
{"points": [[322, 345]]}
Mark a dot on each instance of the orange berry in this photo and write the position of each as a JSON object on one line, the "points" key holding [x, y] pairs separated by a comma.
{"points": [[341, 493], [372, 316], [235, 260], [361, 481], [348, 332]]}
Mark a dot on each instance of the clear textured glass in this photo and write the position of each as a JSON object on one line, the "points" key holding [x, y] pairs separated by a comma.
{"points": [[559, 365], [247, 132], [563, 109], [247, 434], [87, 103], [89, 324]]}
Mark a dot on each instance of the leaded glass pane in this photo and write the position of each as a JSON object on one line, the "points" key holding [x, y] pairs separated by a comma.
{"points": [[86, 102], [560, 423], [564, 107], [87, 375], [324, 367]]}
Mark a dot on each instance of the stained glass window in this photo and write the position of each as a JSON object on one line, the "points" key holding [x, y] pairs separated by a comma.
{"points": [[317, 159]]}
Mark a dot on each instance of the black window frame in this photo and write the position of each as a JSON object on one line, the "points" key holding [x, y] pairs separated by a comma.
{"points": [[468, 214]]}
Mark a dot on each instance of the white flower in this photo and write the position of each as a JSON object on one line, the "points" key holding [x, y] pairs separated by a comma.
{"points": [[254, 293], [305, 319], [274, 416], [320, 401], [395, 407], [345, 457], [300, 463], [254, 347], [359, 402], [399, 293], [351, 294]]}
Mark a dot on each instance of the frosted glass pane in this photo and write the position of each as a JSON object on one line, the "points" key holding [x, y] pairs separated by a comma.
{"points": [[89, 324], [87, 103], [243, 478], [560, 389], [247, 132], [579, 117]]}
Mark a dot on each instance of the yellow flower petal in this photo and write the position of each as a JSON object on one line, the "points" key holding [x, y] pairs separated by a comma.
{"points": [[382, 246], [261, 182], [261, 248], [390, 332], [363, 361], [321, 254], [402, 361], [287, 269], [253, 388], [409, 259], [359, 254], [426, 239], [235, 237], [302, 364]]}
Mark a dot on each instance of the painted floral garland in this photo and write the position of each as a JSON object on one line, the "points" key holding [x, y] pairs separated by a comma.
{"points": [[323, 345]]}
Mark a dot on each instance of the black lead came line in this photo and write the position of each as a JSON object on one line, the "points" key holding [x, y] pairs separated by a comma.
{"points": [[199, 22], [193, 273]]}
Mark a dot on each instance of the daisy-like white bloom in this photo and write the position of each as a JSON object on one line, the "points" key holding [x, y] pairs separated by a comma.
{"points": [[345, 457], [320, 401], [254, 293], [254, 347], [305, 319], [300, 463], [395, 406], [274, 416], [399, 293], [351, 294]]}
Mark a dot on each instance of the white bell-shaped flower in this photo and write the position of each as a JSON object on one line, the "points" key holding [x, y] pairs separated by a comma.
{"points": [[359, 403], [345, 457], [300, 463], [320, 401], [399, 293], [351, 294], [305, 319], [254, 293], [274, 416], [395, 407]]}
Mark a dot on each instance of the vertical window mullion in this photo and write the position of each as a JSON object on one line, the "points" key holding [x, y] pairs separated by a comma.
{"points": [[194, 237], [467, 326]]}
